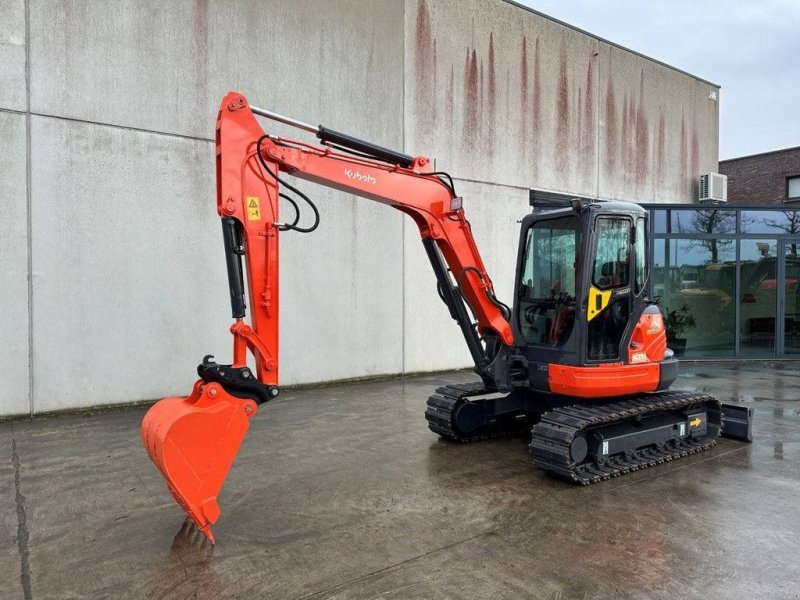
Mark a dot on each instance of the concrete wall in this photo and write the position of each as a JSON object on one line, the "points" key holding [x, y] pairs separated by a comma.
{"points": [[500, 94], [127, 287]]}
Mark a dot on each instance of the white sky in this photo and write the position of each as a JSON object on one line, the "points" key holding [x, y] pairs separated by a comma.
{"points": [[751, 49]]}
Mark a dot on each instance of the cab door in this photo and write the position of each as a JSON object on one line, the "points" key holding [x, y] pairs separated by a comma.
{"points": [[608, 306]]}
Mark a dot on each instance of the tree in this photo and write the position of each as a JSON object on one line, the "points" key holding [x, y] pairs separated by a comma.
{"points": [[713, 221]]}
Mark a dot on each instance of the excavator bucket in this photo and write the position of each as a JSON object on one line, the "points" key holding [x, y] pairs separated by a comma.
{"points": [[193, 442]]}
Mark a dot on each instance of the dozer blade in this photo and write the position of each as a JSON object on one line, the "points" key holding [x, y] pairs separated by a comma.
{"points": [[193, 442]]}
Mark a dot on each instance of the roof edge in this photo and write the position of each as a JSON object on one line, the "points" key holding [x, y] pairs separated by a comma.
{"points": [[760, 154], [609, 42]]}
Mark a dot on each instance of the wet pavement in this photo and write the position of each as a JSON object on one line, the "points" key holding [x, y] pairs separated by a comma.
{"points": [[343, 492]]}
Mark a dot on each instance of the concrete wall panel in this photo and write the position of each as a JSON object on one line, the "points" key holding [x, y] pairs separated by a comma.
{"points": [[433, 340], [659, 129], [165, 66], [342, 291], [12, 54], [13, 265], [127, 264]]}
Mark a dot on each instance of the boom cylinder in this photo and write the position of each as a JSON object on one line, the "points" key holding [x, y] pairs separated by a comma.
{"points": [[232, 236]]}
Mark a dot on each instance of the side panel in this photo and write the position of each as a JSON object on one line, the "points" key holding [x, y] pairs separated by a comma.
{"points": [[604, 381]]}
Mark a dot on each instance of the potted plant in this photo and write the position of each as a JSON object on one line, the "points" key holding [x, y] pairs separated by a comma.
{"points": [[677, 322]]}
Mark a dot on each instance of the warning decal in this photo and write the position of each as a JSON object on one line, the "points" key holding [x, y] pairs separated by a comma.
{"points": [[253, 208]]}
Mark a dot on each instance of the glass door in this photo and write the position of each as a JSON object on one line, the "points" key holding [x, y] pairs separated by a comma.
{"points": [[758, 301], [789, 298]]}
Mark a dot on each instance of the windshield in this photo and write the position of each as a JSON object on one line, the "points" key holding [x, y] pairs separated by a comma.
{"points": [[547, 286]]}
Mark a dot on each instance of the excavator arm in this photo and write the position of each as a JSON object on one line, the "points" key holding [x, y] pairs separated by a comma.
{"points": [[250, 165], [193, 440]]}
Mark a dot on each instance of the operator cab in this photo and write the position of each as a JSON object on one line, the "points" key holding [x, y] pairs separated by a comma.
{"points": [[581, 279]]}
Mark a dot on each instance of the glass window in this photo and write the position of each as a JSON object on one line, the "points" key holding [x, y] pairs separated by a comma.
{"points": [[659, 221], [771, 221], [791, 298], [758, 304], [547, 290], [703, 221], [613, 247], [793, 188], [694, 284], [641, 254]]}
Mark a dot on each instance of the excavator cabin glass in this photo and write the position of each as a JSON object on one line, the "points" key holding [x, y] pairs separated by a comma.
{"points": [[547, 290], [611, 272]]}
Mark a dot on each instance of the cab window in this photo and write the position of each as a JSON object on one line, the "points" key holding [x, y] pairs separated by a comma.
{"points": [[547, 287], [613, 247]]}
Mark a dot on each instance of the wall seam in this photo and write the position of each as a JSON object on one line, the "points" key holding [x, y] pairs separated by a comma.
{"points": [[103, 124], [28, 200], [403, 220]]}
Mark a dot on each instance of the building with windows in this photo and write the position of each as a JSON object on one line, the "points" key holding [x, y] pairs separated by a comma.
{"points": [[766, 179]]}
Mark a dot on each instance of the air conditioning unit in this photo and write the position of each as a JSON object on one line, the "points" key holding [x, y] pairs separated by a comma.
{"points": [[713, 188]]}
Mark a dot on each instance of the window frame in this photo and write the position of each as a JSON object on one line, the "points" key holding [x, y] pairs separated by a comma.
{"points": [[789, 179]]}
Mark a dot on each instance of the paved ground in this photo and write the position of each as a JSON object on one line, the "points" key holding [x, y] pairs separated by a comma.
{"points": [[343, 492]]}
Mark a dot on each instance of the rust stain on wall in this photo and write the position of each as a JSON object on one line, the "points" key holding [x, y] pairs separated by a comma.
{"points": [[523, 106], [536, 111], [579, 128], [642, 137], [491, 92], [481, 107], [434, 87], [694, 160], [630, 143], [471, 99], [424, 65], [625, 137], [449, 101], [562, 110], [587, 149], [611, 128], [660, 148], [684, 153]]}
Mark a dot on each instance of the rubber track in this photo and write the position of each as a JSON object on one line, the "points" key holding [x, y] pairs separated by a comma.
{"points": [[443, 404], [552, 436]]}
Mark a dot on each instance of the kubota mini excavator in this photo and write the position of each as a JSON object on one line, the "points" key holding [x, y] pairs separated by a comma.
{"points": [[580, 363]]}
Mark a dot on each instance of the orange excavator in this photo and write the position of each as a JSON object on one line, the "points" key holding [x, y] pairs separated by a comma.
{"points": [[580, 363]]}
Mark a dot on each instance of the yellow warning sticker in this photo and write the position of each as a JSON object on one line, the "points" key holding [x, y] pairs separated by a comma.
{"points": [[253, 208]]}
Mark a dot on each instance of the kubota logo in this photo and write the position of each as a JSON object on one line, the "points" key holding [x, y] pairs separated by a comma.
{"points": [[350, 174]]}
